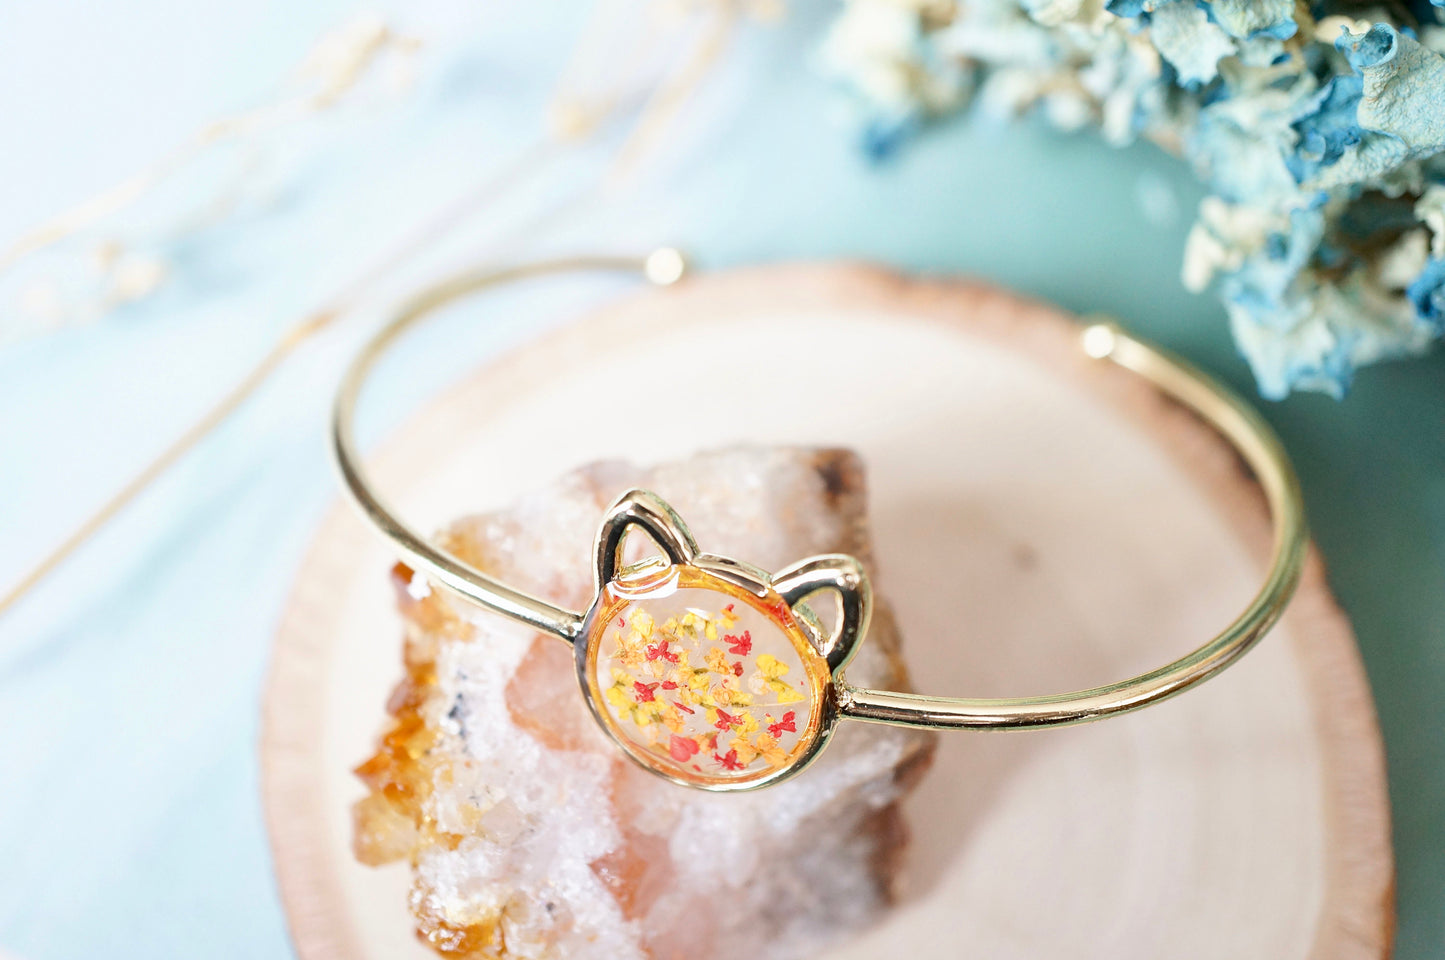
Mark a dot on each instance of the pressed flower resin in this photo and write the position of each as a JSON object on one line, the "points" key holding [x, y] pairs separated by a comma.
{"points": [[702, 680]]}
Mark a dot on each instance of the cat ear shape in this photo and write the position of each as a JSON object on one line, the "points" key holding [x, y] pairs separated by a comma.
{"points": [[844, 576], [645, 509]]}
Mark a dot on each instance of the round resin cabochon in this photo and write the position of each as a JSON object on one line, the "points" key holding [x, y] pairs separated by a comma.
{"points": [[701, 680]]}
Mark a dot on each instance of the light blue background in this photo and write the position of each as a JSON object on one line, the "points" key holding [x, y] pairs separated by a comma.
{"points": [[130, 822]]}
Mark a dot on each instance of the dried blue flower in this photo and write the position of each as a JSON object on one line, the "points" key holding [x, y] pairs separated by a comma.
{"points": [[1131, 8], [1402, 108], [1427, 293], [1260, 284], [1328, 128], [1190, 40], [1323, 234], [1254, 19]]}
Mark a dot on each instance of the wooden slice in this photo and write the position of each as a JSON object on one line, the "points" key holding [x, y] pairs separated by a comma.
{"points": [[1043, 522]]}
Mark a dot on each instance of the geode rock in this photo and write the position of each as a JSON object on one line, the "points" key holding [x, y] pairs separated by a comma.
{"points": [[531, 835]]}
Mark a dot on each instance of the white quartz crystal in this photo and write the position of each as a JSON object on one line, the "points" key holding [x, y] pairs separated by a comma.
{"points": [[544, 833]]}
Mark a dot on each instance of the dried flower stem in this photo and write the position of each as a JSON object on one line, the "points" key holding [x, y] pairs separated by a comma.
{"points": [[661, 106], [436, 226]]}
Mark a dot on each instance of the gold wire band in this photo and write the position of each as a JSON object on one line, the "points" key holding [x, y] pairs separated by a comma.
{"points": [[1236, 421]]}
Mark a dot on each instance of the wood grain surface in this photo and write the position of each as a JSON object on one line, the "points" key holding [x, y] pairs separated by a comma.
{"points": [[1043, 522]]}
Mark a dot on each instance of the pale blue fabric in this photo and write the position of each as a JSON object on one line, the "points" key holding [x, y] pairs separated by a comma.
{"points": [[130, 819]]}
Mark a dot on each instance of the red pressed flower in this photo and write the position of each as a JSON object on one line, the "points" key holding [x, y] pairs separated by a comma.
{"points": [[730, 761], [643, 690], [682, 749], [775, 730], [726, 721], [659, 651], [668, 685], [683, 707], [741, 646], [621, 622], [738, 668]]}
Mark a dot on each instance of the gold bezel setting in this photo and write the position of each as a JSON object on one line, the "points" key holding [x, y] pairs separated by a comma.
{"points": [[779, 599]]}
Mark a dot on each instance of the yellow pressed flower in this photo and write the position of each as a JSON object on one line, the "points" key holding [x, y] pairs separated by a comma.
{"points": [[728, 694], [630, 647], [642, 622], [717, 660], [769, 749], [618, 697], [690, 623], [626, 695], [645, 714], [771, 667], [746, 751], [770, 673]]}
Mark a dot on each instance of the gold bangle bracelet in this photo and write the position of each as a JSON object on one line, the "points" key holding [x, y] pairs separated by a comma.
{"points": [[636, 646]]}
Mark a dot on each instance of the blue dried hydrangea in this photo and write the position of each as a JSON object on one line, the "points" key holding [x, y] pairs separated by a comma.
{"points": [[1321, 138], [1427, 293]]}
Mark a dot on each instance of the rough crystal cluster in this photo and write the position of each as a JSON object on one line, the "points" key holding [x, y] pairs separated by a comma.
{"points": [[531, 835], [1318, 127]]}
